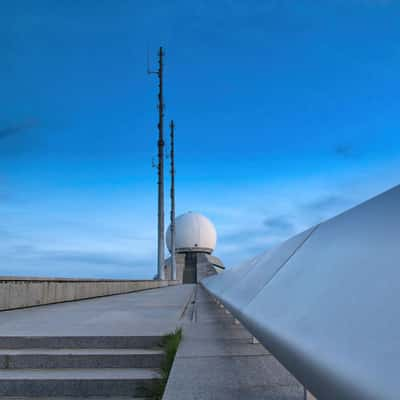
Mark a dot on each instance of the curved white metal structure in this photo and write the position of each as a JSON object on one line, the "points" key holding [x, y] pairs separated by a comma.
{"points": [[194, 232], [326, 302]]}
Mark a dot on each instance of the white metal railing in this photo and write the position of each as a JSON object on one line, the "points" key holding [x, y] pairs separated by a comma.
{"points": [[326, 302]]}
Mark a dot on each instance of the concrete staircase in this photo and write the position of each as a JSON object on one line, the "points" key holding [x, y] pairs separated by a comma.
{"points": [[80, 367]]}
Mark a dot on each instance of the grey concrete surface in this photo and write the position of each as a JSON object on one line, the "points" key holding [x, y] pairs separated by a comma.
{"points": [[89, 348], [147, 313], [80, 342], [206, 264], [80, 358], [77, 382], [81, 373], [19, 292], [216, 361], [75, 398], [65, 352]]}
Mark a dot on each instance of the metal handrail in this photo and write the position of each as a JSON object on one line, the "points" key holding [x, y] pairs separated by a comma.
{"points": [[326, 302]]}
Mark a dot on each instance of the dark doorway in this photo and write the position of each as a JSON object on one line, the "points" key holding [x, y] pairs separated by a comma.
{"points": [[190, 271]]}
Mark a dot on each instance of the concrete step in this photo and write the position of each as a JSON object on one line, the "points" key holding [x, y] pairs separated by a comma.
{"points": [[73, 398], [78, 382], [79, 342], [80, 358]]}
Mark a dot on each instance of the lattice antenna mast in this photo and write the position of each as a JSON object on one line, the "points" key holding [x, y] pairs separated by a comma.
{"points": [[160, 166], [172, 155]]}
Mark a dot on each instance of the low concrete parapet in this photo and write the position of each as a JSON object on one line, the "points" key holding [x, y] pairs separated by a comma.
{"points": [[19, 292]]}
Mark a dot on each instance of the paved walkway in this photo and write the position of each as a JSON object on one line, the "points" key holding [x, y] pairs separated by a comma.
{"points": [[149, 313], [217, 360]]}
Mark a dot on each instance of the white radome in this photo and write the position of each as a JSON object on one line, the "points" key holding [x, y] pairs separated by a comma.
{"points": [[193, 232]]}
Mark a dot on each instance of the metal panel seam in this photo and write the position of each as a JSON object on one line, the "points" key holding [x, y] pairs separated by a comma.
{"points": [[284, 263]]}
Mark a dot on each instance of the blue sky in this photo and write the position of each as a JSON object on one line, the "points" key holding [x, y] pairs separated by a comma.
{"points": [[286, 113]]}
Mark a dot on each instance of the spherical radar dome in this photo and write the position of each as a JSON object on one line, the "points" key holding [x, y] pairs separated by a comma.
{"points": [[193, 232]]}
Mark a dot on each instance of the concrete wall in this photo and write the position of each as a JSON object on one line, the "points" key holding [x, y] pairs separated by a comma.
{"points": [[18, 292], [205, 266], [180, 266]]}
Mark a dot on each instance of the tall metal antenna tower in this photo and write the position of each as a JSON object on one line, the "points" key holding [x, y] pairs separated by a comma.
{"points": [[160, 166], [172, 155]]}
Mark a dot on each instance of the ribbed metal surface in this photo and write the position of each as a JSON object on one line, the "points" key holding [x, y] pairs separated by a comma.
{"points": [[326, 302]]}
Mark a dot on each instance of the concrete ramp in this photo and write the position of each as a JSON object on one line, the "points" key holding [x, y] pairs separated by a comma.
{"points": [[325, 303]]}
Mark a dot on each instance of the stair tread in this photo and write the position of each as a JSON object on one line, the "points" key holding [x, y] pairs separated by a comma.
{"points": [[73, 398], [60, 342], [79, 351], [80, 373]]}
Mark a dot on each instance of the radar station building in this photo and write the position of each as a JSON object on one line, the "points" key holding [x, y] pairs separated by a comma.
{"points": [[195, 241]]}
